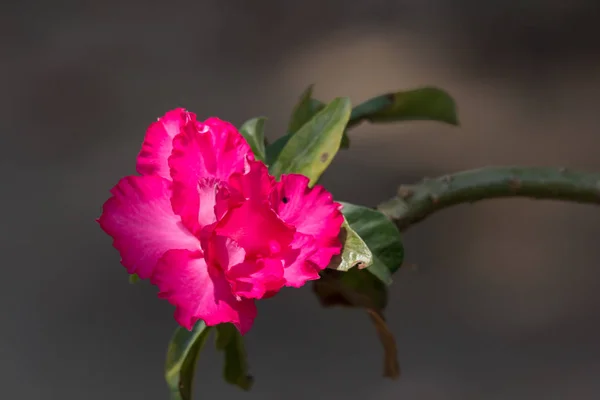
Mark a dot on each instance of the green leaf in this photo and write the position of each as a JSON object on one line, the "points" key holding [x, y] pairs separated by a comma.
{"points": [[134, 278], [353, 288], [381, 236], [275, 148], [302, 112], [253, 131], [315, 107], [366, 286], [357, 288], [355, 252], [345, 140], [311, 149], [427, 103], [182, 355], [231, 343]]}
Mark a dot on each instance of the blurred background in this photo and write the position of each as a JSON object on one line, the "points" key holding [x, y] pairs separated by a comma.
{"points": [[504, 301]]}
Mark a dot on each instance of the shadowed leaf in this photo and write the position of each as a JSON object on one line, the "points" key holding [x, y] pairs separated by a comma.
{"points": [[182, 355], [427, 103], [366, 287], [231, 343], [253, 132], [353, 288], [357, 288]]}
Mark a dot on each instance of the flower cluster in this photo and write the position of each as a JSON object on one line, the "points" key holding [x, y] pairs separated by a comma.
{"points": [[208, 225]]}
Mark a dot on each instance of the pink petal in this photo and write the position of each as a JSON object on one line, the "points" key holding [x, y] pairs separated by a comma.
{"points": [[312, 212], [225, 252], [253, 279], [226, 200], [186, 202], [200, 291], [158, 143], [256, 184], [204, 156], [139, 218], [256, 228], [299, 268], [250, 279]]}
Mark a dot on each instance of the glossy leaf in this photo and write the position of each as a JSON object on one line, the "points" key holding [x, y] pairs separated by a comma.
{"points": [[182, 355], [381, 236], [231, 343], [275, 148], [427, 103], [253, 131], [311, 149], [355, 252]]}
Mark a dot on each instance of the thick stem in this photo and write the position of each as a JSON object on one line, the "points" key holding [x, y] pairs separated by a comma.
{"points": [[413, 203]]}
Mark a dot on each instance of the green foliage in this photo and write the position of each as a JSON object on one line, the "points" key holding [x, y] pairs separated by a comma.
{"points": [[183, 352], [231, 343], [380, 234], [372, 246], [303, 112], [355, 252], [253, 131], [305, 109], [182, 355], [134, 278], [311, 149], [353, 288], [365, 287], [427, 103], [357, 288]]}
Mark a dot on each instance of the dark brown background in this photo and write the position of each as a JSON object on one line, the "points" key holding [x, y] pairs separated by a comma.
{"points": [[504, 304]]}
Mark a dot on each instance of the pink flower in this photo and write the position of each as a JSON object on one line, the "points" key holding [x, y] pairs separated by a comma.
{"points": [[209, 226]]}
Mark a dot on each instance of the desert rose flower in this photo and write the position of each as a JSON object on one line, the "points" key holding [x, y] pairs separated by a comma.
{"points": [[208, 225]]}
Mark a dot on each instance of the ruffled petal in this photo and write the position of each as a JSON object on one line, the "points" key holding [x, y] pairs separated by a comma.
{"points": [[254, 279], [248, 278], [200, 291], [298, 264], [139, 218], [158, 143], [204, 156], [225, 252], [255, 184], [256, 228], [312, 212]]}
